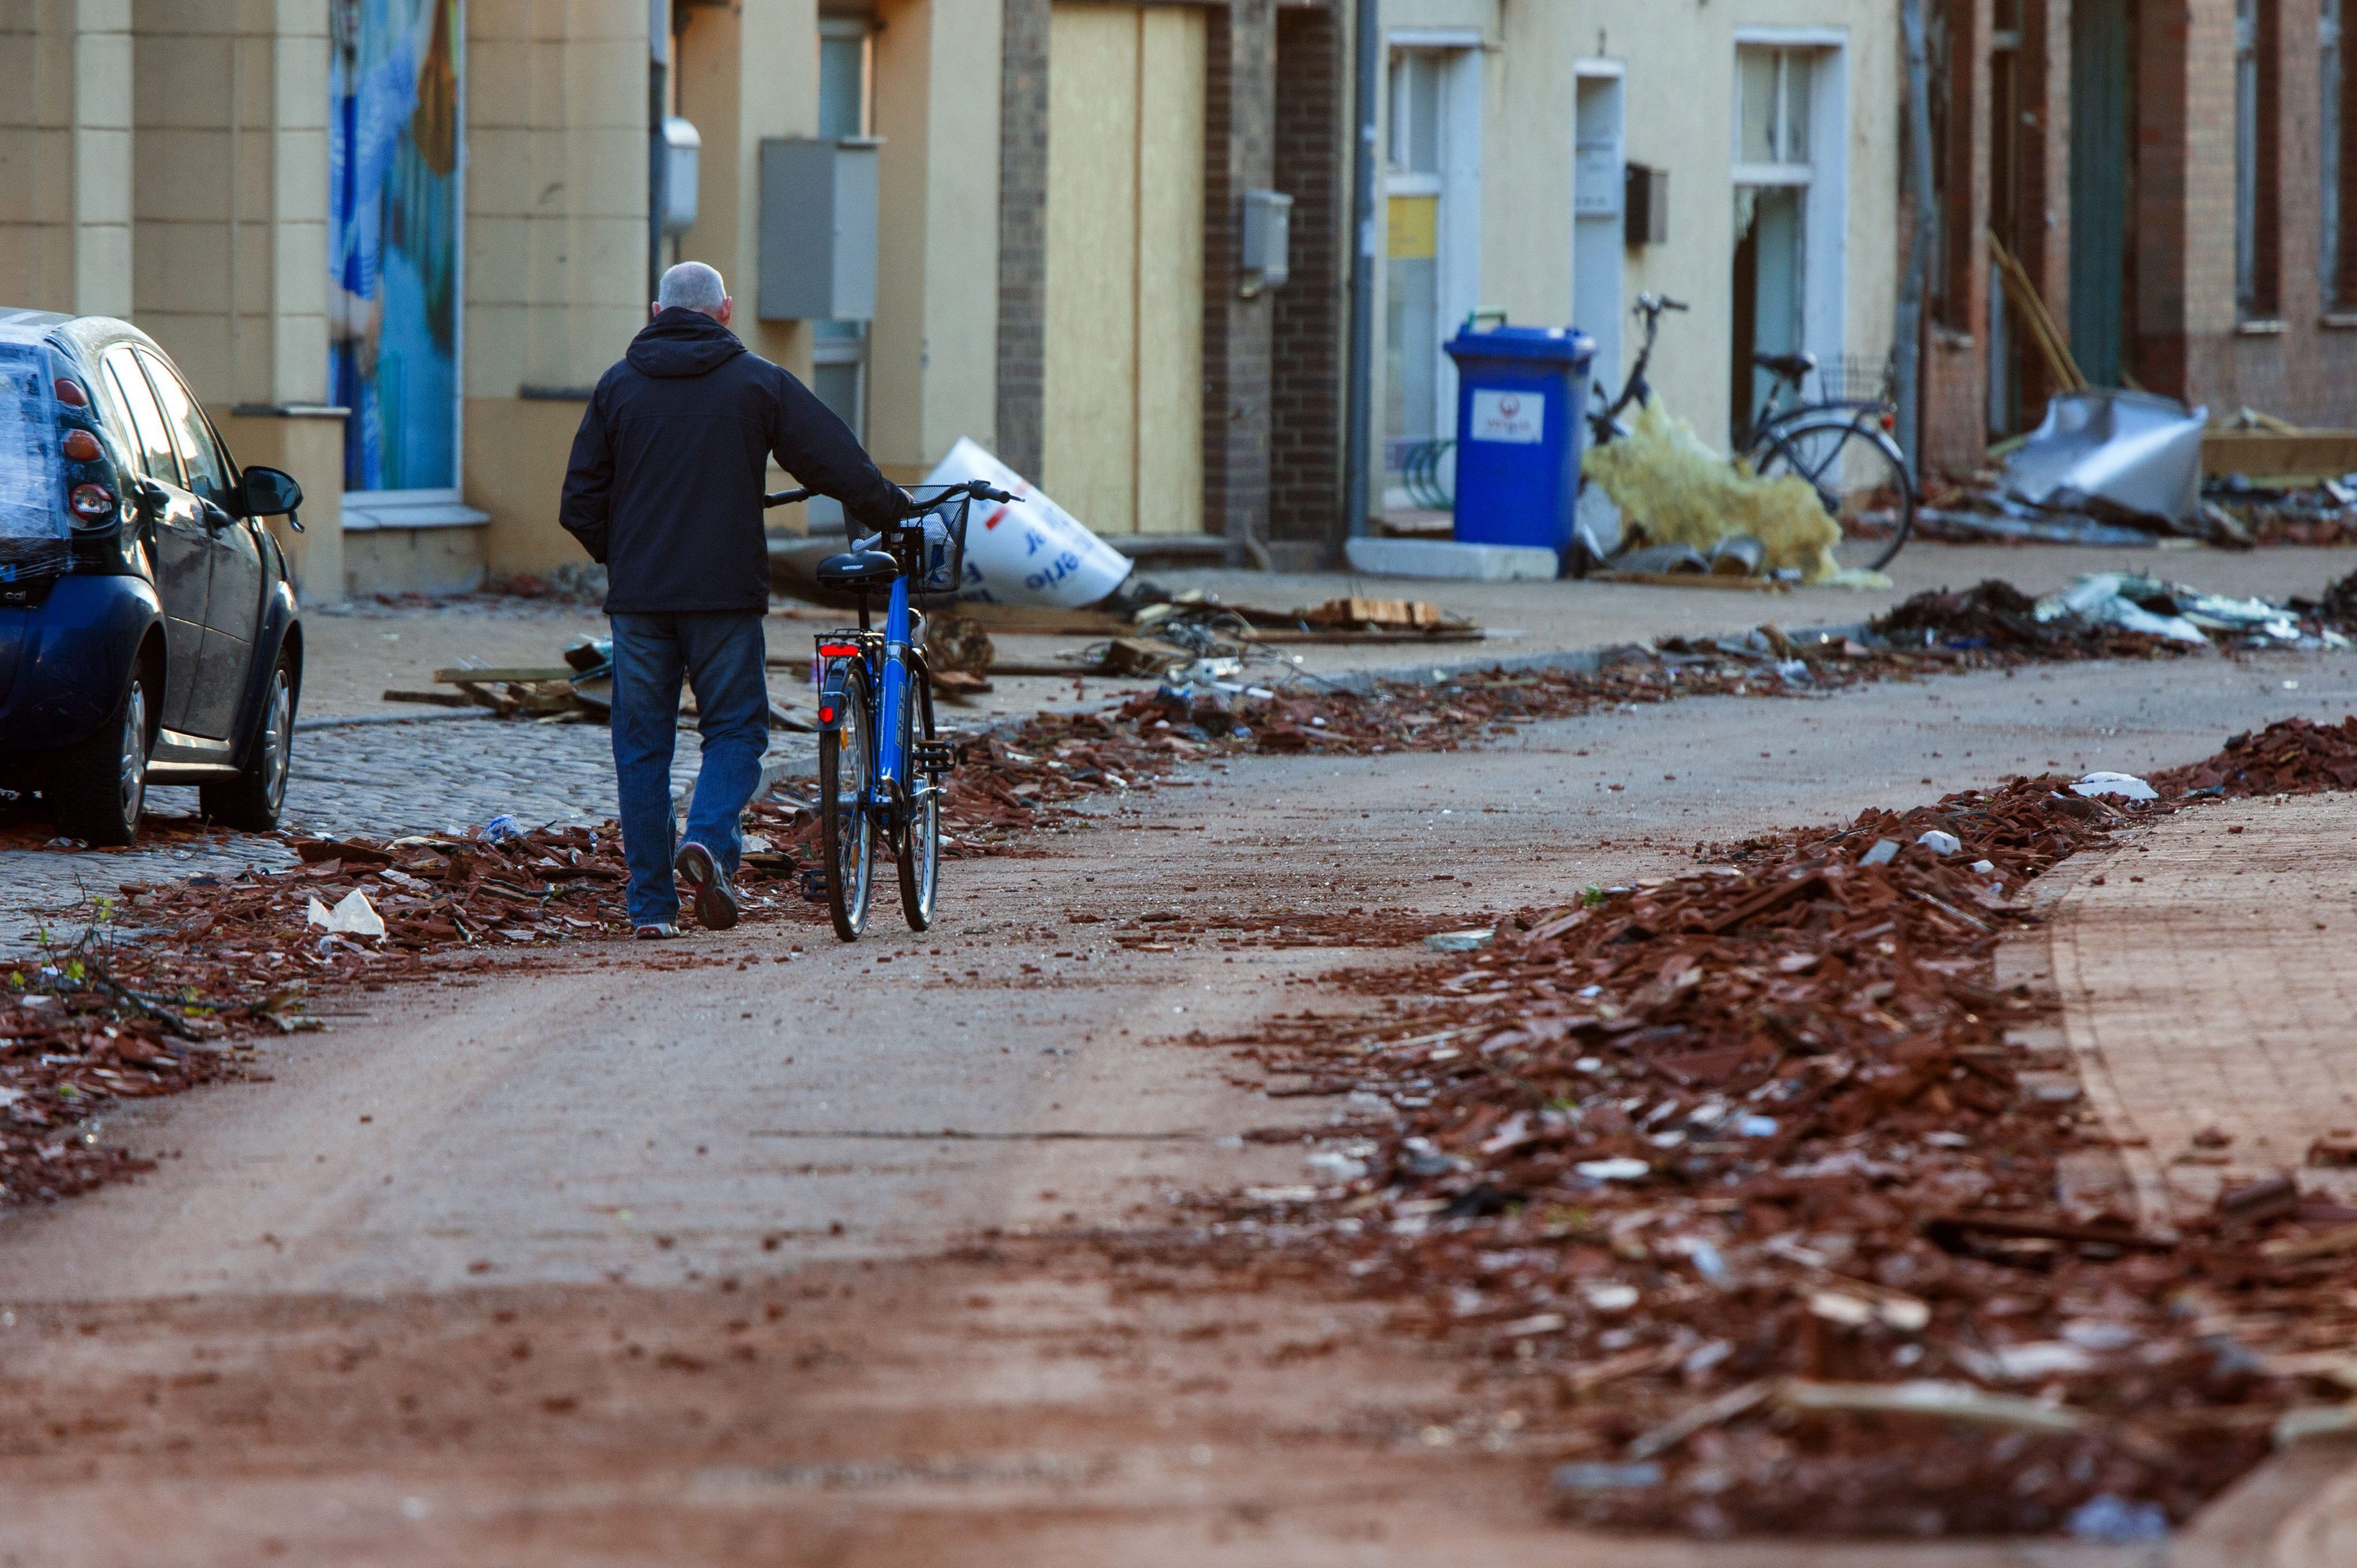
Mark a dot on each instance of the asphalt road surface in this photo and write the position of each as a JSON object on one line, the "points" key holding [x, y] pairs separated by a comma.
{"points": [[612, 1263]]}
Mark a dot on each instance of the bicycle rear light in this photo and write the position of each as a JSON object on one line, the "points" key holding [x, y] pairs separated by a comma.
{"points": [[838, 650], [826, 715]]}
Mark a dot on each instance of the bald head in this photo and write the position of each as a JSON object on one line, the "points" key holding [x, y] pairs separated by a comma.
{"points": [[692, 286]]}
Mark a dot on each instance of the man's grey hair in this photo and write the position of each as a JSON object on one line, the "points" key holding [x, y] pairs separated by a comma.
{"points": [[694, 286]]}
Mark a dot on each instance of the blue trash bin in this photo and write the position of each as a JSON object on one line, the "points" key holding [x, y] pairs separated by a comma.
{"points": [[1521, 399]]}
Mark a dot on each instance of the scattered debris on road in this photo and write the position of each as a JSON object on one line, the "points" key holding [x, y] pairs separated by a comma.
{"points": [[1742, 1188]]}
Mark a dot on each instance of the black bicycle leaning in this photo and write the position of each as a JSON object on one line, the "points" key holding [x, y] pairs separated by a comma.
{"points": [[1841, 443]]}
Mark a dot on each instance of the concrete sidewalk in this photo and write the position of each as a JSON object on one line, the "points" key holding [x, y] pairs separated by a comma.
{"points": [[355, 652]]}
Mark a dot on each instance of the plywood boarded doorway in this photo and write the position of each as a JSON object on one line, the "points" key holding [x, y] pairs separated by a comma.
{"points": [[1122, 448]]}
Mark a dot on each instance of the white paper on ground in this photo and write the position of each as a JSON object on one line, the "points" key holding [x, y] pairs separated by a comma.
{"points": [[354, 917], [1028, 550]]}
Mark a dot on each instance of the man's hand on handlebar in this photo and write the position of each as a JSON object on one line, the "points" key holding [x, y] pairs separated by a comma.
{"points": [[978, 489]]}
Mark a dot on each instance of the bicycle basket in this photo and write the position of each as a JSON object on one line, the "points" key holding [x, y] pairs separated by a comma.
{"points": [[941, 559], [1858, 379]]}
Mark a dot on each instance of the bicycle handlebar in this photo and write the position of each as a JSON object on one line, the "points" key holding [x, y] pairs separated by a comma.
{"points": [[976, 490], [1654, 304]]}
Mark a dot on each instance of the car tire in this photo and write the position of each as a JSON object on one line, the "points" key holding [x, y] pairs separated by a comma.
{"points": [[251, 802], [97, 788]]}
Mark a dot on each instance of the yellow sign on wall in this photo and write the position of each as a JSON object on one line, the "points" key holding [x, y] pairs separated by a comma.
{"points": [[1414, 228]]}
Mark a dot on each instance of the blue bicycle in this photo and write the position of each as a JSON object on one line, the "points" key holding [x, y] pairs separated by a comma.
{"points": [[880, 763]]}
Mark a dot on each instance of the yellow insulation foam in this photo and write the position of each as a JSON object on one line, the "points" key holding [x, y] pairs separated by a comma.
{"points": [[1675, 488]]}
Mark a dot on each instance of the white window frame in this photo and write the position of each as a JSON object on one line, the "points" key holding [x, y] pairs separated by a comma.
{"points": [[1824, 293], [1608, 251], [1458, 186]]}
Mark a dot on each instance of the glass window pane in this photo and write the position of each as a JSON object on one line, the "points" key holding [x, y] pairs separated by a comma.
{"points": [[1798, 76], [1424, 114], [838, 387], [1411, 347], [1757, 90], [2329, 150], [843, 87], [208, 475], [146, 419]]}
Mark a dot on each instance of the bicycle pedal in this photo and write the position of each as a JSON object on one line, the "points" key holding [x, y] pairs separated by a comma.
{"points": [[814, 880], [939, 755]]}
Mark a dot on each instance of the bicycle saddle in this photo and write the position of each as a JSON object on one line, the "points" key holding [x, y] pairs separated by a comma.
{"points": [[858, 569], [1791, 366]]}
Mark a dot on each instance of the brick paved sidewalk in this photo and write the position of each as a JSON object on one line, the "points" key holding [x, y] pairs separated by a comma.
{"points": [[2208, 996]]}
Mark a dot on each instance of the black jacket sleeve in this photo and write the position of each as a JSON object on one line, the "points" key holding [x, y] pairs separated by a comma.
{"points": [[589, 481], [819, 450]]}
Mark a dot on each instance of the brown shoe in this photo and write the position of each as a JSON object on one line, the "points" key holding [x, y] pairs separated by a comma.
{"points": [[715, 905]]}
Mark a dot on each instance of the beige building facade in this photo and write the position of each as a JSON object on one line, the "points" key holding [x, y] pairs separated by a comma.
{"points": [[392, 243], [1509, 133]]}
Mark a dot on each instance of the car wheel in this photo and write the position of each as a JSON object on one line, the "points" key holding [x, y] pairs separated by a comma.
{"points": [[98, 788], [252, 801]]}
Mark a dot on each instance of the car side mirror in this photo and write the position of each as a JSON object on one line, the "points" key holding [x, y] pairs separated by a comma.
{"points": [[269, 492]]}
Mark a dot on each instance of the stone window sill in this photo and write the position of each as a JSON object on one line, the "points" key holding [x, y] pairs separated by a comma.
{"points": [[2266, 328]]}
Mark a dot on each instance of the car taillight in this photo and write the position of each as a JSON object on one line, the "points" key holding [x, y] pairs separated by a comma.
{"points": [[69, 392], [81, 446], [826, 715], [91, 502]]}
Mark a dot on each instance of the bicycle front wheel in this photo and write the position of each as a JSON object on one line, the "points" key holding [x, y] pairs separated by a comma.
{"points": [[1859, 477], [920, 843], [847, 767]]}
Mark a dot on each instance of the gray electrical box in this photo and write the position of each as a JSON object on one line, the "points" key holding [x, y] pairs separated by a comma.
{"points": [[1646, 204], [1267, 237], [818, 230]]}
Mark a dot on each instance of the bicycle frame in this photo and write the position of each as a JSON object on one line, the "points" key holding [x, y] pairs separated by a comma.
{"points": [[890, 799]]}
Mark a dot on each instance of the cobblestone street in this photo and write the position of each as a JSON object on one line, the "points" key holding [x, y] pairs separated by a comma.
{"points": [[430, 777]]}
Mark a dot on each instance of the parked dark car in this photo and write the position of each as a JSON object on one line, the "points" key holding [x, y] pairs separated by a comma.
{"points": [[147, 629]]}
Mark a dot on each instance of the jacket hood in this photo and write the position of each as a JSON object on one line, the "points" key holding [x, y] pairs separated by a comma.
{"points": [[682, 342]]}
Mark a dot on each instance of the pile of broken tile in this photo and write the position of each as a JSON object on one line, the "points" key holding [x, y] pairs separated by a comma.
{"points": [[1737, 1189]]}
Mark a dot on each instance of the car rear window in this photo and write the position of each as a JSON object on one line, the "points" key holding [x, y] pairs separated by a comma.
{"points": [[34, 521]]}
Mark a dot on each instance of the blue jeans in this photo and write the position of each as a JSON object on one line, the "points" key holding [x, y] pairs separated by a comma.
{"points": [[721, 654]]}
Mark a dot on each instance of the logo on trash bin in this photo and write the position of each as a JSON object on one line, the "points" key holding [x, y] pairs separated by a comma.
{"points": [[1516, 418]]}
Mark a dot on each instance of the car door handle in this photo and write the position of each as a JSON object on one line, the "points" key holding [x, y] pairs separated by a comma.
{"points": [[214, 518]]}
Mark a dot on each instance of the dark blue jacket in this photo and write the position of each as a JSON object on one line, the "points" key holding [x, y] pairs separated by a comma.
{"points": [[665, 488]]}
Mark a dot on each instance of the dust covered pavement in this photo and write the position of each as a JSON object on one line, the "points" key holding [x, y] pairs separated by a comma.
{"points": [[518, 1139], [1743, 1179]]}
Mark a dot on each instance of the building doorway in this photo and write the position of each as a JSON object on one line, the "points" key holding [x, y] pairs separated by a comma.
{"points": [[1432, 249], [1122, 444], [1789, 215]]}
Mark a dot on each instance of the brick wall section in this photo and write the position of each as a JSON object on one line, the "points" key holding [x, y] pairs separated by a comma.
{"points": [[2185, 338], [1022, 233], [1240, 129], [1306, 416]]}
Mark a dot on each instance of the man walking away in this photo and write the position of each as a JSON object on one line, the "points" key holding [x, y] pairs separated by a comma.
{"points": [[665, 491]]}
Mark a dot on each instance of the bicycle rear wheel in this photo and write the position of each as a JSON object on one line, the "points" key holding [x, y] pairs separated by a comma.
{"points": [[846, 833], [920, 843], [1860, 479]]}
